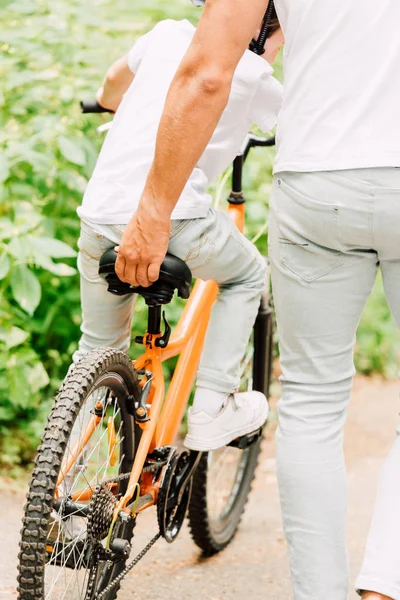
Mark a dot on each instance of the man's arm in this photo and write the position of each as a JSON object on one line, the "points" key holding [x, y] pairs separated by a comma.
{"points": [[117, 80], [195, 102]]}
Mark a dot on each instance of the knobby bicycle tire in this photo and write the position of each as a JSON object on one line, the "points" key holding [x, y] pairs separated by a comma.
{"points": [[213, 535], [77, 386]]}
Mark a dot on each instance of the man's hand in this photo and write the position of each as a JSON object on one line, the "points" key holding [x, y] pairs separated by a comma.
{"points": [[143, 248]]}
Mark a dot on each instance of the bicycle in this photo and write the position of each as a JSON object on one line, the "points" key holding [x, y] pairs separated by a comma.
{"points": [[108, 450]]}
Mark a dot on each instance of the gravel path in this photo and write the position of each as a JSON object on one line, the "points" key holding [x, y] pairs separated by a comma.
{"points": [[255, 565]]}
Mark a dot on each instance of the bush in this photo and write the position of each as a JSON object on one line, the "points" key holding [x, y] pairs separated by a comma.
{"points": [[53, 54]]}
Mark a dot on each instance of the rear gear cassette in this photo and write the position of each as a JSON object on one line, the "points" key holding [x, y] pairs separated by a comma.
{"points": [[101, 512]]}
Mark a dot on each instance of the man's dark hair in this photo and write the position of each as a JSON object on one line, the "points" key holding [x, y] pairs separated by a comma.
{"points": [[273, 24], [269, 26]]}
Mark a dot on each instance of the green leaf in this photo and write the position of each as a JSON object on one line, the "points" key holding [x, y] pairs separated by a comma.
{"points": [[63, 270], [7, 413], [25, 288], [26, 216], [38, 377], [4, 264], [71, 151], [5, 228], [17, 381], [52, 247], [4, 169], [20, 248], [14, 337], [38, 161], [60, 269]]}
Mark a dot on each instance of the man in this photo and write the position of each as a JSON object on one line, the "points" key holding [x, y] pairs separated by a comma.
{"points": [[334, 215]]}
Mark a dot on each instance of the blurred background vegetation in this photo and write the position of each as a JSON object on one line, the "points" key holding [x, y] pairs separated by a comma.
{"points": [[55, 53]]}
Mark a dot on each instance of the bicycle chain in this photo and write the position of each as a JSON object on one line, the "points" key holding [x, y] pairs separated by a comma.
{"points": [[117, 580], [92, 538], [128, 568]]}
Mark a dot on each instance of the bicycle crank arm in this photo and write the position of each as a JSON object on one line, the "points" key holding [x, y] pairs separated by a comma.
{"points": [[143, 502], [187, 472]]}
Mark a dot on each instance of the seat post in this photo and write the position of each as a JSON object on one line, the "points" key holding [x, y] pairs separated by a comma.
{"points": [[154, 319]]}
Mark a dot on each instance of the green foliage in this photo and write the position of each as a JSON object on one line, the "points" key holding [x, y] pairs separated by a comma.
{"points": [[54, 53], [378, 339]]}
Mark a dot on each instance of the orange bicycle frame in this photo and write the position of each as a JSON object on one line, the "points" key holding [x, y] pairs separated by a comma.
{"points": [[187, 342], [165, 412]]}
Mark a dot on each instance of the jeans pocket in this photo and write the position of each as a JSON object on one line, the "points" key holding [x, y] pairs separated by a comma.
{"points": [[200, 253], [307, 232], [91, 243], [177, 226], [190, 242]]}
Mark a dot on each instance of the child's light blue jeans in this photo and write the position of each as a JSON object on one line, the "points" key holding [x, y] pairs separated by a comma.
{"points": [[214, 249], [329, 233]]}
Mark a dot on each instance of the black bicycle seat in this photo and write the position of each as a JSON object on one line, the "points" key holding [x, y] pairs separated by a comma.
{"points": [[174, 275]]}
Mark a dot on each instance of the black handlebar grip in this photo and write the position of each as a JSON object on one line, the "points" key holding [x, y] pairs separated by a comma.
{"points": [[92, 106]]}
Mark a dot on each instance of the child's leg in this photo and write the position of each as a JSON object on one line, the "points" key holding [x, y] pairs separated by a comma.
{"points": [[106, 319], [214, 249]]}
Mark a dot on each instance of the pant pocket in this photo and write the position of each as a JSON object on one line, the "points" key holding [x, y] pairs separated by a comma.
{"points": [[91, 243], [200, 252], [177, 226], [307, 231], [92, 246], [189, 240]]}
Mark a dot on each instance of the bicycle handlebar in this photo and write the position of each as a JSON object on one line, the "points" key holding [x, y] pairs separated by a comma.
{"points": [[254, 141], [92, 106]]}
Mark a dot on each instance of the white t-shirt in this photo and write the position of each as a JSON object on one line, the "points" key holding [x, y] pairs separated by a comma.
{"points": [[341, 102], [115, 188]]}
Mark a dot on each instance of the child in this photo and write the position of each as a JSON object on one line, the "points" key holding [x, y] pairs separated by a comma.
{"points": [[206, 239]]}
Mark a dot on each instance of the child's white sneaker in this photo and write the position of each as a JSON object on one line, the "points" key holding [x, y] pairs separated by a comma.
{"points": [[241, 414]]}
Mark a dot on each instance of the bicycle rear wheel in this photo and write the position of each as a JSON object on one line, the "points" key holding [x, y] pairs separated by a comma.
{"points": [[67, 515], [222, 481]]}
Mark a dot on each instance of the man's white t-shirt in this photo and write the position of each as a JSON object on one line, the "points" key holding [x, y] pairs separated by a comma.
{"points": [[116, 185], [341, 102]]}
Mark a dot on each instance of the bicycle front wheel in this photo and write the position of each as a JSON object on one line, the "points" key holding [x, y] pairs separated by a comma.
{"points": [[89, 440], [222, 481]]}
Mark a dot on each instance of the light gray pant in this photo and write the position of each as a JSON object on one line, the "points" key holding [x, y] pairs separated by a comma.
{"points": [[329, 233], [213, 248]]}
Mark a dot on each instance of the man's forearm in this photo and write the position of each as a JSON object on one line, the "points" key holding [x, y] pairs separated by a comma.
{"points": [[198, 96], [191, 115]]}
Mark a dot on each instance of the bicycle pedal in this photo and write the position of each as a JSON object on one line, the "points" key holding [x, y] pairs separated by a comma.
{"points": [[245, 441]]}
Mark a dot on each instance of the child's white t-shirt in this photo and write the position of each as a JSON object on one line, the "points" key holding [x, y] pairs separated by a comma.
{"points": [[115, 188]]}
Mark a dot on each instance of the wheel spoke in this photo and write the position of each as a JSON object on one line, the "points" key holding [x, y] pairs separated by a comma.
{"points": [[55, 536], [91, 468]]}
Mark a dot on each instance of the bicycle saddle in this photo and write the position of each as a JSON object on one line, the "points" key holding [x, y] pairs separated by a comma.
{"points": [[174, 275]]}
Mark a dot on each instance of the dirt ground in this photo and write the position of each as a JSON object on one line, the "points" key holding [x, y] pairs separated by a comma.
{"points": [[255, 565]]}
